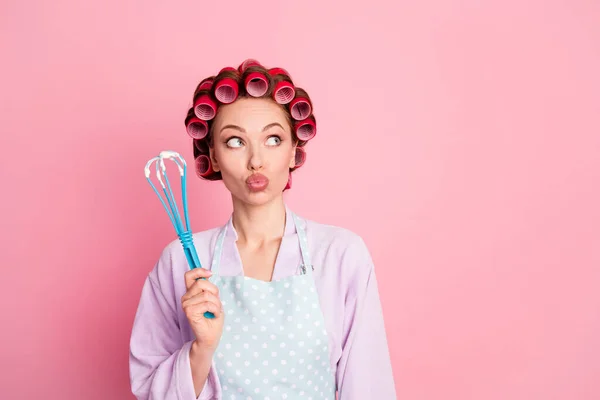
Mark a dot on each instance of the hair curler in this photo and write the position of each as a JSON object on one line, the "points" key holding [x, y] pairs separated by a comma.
{"points": [[306, 129], [197, 128], [205, 108], [248, 63], [226, 88], [203, 166], [284, 91], [300, 108], [256, 84], [202, 146], [206, 84], [300, 156], [289, 182], [279, 71]]}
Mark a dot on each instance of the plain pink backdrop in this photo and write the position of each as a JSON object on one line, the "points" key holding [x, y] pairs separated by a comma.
{"points": [[460, 139]]}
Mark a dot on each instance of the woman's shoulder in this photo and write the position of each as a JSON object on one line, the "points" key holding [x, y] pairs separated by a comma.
{"points": [[339, 254], [337, 239], [332, 233], [172, 256], [201, 239]]}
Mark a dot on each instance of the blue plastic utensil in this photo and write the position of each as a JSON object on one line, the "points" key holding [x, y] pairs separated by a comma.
{"points": [[184, 233]]}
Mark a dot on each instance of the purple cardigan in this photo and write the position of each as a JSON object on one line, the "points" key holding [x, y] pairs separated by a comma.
{"points": [[345, 279]]}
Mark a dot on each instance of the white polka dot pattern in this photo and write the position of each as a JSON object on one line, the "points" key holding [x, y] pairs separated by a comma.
{"points": [[274, 345]]}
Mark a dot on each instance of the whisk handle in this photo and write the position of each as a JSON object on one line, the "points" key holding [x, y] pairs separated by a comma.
{"points": [[189, 249]]}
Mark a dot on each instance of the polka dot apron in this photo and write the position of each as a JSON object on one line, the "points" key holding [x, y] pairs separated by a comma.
{"points": [[274, 343]]}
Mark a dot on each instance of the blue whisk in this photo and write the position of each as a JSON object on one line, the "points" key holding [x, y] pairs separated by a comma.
{"points": [[185, 235]]}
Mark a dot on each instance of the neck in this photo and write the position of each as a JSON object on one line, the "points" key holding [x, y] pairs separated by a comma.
{"points": [[259, 224]]}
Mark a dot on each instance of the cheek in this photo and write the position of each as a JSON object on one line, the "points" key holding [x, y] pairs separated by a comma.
{"points": [[284, 157], [229, 161], [283, 160]]}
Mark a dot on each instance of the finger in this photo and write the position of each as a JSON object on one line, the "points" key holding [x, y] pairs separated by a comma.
{"points": [[194, 274], [200, 298], [200, 286], [201, 308]]}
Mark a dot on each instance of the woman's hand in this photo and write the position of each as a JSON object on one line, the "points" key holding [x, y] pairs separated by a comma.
{"points": [[203, 296]]}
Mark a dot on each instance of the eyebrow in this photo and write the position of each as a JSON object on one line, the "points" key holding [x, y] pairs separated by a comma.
{"points": [[238, 128]]}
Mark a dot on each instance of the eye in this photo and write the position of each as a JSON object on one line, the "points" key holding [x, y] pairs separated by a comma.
{"points": [[273, 140], [234, 142]]}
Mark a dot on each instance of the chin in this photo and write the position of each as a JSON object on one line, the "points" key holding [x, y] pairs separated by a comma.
{"points": [[257, 198]]}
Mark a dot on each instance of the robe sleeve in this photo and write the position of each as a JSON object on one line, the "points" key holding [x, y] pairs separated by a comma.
{"points": [[364, 369], [159, 359]]}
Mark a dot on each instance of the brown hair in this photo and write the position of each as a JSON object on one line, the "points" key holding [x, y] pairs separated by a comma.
{"points": [[201, 146]]}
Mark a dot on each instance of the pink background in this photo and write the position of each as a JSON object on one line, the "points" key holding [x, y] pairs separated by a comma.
{"points": [[461, 139]]}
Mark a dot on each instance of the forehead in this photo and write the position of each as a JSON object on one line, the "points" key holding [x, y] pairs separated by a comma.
{"points": [[251, 114]]}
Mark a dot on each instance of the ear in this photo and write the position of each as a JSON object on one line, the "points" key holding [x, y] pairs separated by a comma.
{"points": [[293, 159], [213, 159]]}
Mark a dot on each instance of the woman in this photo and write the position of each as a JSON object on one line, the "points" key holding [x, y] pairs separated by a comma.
{"points": [[296, 306]]}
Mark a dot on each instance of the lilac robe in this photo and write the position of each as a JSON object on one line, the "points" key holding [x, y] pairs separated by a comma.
{"points": [[345, 279]]}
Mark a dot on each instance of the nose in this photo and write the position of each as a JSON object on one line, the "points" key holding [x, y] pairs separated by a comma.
{"points": [[256, 160]]}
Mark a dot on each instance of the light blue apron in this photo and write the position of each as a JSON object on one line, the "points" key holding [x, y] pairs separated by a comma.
{"points": [[274, 344]]}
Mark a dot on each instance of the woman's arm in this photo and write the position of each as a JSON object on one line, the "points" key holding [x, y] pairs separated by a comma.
{"points": [[364, 369], [160, 365], [200, 363]]}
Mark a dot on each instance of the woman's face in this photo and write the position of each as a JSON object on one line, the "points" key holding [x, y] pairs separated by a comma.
{"points": [[253, 149]]}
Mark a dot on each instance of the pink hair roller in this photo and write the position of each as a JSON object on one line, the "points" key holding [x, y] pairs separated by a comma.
{"points": [[300, 108], [203, 166], [205, 85], [205, 108], [201, 145], [248, 63], [279, 71], [289, 182], [284, 92], [300, 157], [256, 84], [228, 69], [226, 89], [197, 128], [306, 129]]}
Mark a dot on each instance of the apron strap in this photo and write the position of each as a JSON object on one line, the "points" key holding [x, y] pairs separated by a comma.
{"points": [[306, 267], [216, 261]]}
